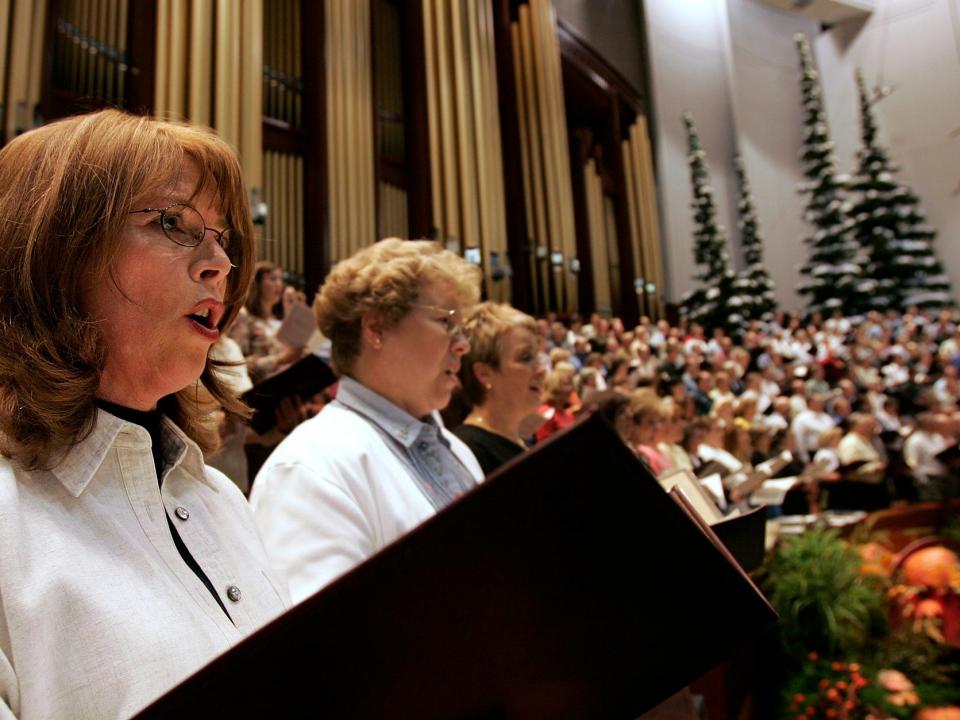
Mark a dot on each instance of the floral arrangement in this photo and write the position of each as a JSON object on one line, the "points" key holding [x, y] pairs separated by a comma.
{"points": [[866, 634]]}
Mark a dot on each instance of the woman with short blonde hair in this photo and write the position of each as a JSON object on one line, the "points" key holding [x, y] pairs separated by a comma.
{"points": [[502, 378], [376, 461], [387, 279]]}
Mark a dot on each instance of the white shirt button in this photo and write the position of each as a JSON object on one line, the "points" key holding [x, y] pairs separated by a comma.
{"points": [[233, 592], [182, 513]]}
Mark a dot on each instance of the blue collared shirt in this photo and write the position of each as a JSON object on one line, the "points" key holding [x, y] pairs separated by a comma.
{"points": [[419, 444]]}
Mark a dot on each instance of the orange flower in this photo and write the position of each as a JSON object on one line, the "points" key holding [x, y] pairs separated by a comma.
{"points": [[939, 713]]}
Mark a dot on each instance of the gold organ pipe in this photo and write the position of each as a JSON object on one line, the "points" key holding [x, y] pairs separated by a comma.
{"points": [[284, 239], [492, 103], [227, 72], [563, 155], [162, 65], [201, 65], [648, 238], [76, 19], [268, 50], [279, 227], [550, 171], [475, 193], [525, 160], [366, 110], [103, 29], [296, 70], [466, 140], [536, 157], [350, 119], [629, 174], [177, 58], [352, 145], [332, 63], [19, 70], [433, 102], [112, 66], [97, 58], [447, 147], [122, 47], [598, 237], [652, 214], [5, 10], [251, 100], [298, 214], [36, 59], [273, 203], [291, 204], [86, 60]]}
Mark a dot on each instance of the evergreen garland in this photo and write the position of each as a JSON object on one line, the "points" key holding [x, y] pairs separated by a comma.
{"points": [[831, 271], [716, 303], [753, 281], [900, 268]]}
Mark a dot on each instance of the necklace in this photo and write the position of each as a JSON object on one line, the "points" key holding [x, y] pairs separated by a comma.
{"points": [[478, 421]]}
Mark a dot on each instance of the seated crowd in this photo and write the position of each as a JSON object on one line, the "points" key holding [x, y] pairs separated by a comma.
{"points": [[863, 410]]}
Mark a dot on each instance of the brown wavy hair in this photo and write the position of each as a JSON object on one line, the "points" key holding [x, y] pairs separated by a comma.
{"points": [[386, 278], [65, 192], [255, 295]]}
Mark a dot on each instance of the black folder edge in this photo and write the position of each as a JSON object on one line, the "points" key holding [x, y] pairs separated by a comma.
{"points": [[214, 686], [306, 377]]}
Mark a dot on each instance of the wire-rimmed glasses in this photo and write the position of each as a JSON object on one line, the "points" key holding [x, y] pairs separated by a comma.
{"points": [[184, 225]]}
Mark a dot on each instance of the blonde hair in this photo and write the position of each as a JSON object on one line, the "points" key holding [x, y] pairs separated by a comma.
{"points": [[386, 278], [67, 190], [485, 326], [645, 403], [554, 391]]}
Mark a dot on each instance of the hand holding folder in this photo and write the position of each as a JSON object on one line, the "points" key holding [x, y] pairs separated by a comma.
{"points": [[304, 379], [567, 585]]}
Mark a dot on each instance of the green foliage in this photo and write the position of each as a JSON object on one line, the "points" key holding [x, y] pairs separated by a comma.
{"points": [[920, 658], [825, 605], [951, 531]]}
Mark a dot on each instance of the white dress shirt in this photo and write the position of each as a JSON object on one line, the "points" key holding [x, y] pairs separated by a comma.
{"points": [[807, 426], [920, 453], [339, 488], [99, 613]]}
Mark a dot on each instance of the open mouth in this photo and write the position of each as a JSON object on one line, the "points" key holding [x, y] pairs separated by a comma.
{"points": [[202, 317]]}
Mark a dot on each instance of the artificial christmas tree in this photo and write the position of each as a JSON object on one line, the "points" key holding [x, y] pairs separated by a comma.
{"points": [[899, 266], [753, 282], [716, 303], [831, 270]]}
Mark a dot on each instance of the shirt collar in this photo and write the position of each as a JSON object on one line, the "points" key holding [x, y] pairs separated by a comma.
{"points": [[393, 420], [80, 463]]}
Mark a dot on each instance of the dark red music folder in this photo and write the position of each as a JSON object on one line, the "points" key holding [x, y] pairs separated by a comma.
{"points": [[567, 585]]}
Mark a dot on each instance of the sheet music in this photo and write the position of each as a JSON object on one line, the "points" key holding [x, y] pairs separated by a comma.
{"points": [[772, 492], [298, 326]]}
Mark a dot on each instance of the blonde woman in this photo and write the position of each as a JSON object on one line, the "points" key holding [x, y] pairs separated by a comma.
{"points": [[503, 380], [377, 461], [560, 401]]}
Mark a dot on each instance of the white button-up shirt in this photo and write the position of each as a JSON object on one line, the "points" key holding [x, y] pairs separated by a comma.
{"points": [[342, 486], [99, 613]]}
